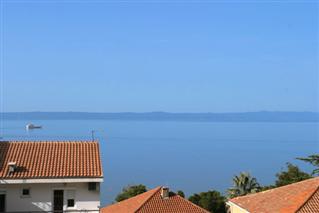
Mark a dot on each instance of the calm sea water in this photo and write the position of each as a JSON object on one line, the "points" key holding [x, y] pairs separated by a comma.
{"points": [[190, 156]]}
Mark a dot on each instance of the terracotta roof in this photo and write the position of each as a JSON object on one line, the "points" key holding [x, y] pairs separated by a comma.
{"points": [[152, 202], [312, 205], [50, 159], [297, 197]]}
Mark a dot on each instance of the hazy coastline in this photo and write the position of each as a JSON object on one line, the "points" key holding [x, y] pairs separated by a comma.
{"points": [[262, 116]]}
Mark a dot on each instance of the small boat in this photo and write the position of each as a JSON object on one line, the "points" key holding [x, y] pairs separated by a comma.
{"points": [[32, 126]]}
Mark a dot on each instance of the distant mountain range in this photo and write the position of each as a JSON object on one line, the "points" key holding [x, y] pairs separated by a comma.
{"points": [[262, 116]]}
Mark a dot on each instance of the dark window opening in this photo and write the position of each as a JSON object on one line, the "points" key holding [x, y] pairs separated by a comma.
{"points": [[92, 186], [2, 203], [70, 202], [58, 201], [25, 192]]}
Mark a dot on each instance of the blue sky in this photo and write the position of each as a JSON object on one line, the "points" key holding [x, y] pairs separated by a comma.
{"points": [[142, 56]]}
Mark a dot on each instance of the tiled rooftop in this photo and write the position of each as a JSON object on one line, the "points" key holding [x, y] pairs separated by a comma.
{"points": [[312, 205], [301, 197], [50, 159], [152, 202]]}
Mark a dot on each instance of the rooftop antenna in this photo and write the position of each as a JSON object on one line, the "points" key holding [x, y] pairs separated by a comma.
{"points": [[92, 132]]}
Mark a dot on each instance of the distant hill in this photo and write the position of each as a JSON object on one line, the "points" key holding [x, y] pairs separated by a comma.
{"points": [[263, 116]]}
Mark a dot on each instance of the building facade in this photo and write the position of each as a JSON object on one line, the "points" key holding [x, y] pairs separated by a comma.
{"points": [[50, 176]]}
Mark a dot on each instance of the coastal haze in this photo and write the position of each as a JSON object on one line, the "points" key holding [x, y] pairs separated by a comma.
{"points": [[154, 149], [165, 116]]}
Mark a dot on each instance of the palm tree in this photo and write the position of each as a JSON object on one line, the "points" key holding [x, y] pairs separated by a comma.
{"points": [[243, 184], [314, 160]]}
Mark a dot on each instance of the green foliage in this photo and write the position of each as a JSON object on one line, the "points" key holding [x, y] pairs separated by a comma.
{"points": [[195, 198], [314, 160], [212, 201], [243, 184], [130, 191], [180, 193], [292, 175], [264, 188]]}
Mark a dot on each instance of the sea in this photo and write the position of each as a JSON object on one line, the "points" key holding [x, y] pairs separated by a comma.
{"points": [[183, 155]]}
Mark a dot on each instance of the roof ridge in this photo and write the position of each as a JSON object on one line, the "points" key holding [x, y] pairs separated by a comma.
{"points": [[280, 187], [149, 193], [155, 191], [192, 203], [309, 197]]}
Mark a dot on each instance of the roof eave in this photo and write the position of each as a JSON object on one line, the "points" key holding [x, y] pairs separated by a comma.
{"points": [[52, 180], [230, 203]]}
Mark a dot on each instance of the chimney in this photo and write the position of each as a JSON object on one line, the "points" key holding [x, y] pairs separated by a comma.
{"points": [[165, 192], [12, 166]]}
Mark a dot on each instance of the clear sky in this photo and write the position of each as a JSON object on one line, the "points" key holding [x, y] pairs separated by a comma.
{"points": [[103, 56]]}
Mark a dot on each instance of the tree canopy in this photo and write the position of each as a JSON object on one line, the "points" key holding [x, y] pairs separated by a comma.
{"points": [[212, 201], [292, 175], [130, 191], [314, 160], [180, 193], [243, 184]]}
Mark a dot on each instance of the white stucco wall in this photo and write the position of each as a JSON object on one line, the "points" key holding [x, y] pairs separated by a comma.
{"points": [[41, 196]]}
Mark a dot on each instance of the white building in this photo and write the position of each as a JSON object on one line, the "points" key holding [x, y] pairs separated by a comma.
{"points": [[50, 176]]}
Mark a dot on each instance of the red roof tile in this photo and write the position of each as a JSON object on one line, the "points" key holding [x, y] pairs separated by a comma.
{"points": [[152, 202], [50, 159], [131, 204], [300, 196], [312, 205]]}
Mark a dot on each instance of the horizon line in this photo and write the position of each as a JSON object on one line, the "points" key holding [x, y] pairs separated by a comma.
{"points": [[260, 111]]}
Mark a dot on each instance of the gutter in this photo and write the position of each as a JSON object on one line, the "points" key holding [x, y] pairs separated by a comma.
{"points": [[51, 180]]}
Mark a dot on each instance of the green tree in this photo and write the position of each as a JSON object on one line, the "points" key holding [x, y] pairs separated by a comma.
{"points": [[314, 160], [264, 188], [243, 184], [212, 201], [180, 193], [292, 175], [130, 191], [195, 198]]}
